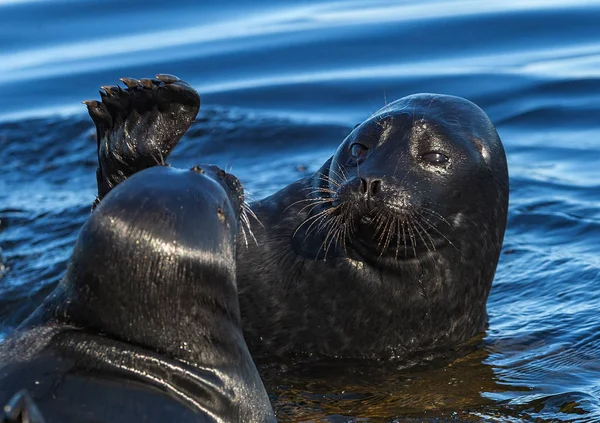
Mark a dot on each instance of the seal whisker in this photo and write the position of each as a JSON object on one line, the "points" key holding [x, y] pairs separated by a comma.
{"points": [[348, 234], [343, 178], [383, 227], [249, 195], [417, 221], [318, 200], [379, 228], [312, 206], [402, 221], [322, 190], [341, 236], [317, 219], [411, 234], [421, 219], [432, 226], [246, 222], [318, 216], [388, 238], [332, 234], [321, 224], [435, 214], [339, 229], [247, 209], [379, 222], [321, 247], [158, 158], [398, 223], [328, 179], [244, 235]]}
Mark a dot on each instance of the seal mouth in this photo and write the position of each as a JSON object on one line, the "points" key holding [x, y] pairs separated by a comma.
{"points": [[366, 220], [397, 236], [392, 224], [387, 230]]}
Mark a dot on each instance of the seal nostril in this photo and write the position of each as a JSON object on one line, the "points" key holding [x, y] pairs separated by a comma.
{"points": [[370, 187], [363, 185], [375, 186]]}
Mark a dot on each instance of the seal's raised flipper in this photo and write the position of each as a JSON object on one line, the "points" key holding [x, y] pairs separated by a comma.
{"points": [[138, 126], [21, 409]]}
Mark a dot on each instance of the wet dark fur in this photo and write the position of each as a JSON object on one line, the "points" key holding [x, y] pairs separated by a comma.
{"points": [[382, 288], [384, 256], [145, 325]]}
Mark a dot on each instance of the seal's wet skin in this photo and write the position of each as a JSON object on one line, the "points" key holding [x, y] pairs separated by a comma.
{"points": [[145, 325], [389, 249], [137, 127]]}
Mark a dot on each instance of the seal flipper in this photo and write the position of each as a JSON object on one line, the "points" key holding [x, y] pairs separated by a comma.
{"points": [[138, 127], [21, 409]]}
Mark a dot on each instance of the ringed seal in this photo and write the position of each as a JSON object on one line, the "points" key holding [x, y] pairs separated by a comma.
{"points": [[391, 247], [388, 250], [145, 326]]}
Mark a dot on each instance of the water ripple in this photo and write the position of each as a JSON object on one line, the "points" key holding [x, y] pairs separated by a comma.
{"points": [[282, 85]]}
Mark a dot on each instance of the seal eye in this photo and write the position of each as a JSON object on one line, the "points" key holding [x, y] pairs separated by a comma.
{"points": [[435, 158], [358, 152]]}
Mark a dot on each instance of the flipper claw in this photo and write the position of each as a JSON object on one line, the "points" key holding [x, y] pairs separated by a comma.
{"points": [[91, 103], [148, 83], [130, 82], [166, 78], [111, 90]]}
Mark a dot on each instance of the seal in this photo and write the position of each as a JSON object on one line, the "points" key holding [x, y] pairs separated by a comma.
{"points": [[390, 248], [145, 325]]}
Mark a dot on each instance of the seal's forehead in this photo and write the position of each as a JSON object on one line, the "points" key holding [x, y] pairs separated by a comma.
{"points": [[428, 105], [435, 111]]}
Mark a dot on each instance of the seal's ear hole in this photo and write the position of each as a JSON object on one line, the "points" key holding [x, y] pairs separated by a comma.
{"points": [[482, 150], [356, 126]]}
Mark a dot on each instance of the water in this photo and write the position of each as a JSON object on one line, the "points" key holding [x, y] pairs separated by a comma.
{"points": [[281, 86]]}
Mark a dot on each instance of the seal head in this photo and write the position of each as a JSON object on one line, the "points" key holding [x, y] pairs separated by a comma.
{"points": [[412, 179], [145, 325]]}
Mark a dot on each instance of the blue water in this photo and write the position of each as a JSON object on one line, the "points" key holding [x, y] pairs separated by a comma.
{"points": [[282, 83]]}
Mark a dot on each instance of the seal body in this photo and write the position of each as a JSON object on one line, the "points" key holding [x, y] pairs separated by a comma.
{"points": [[145, 325], [388, 250]]}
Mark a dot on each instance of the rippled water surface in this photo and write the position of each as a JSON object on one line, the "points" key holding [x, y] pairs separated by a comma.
{"points": [[282, 83]]}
